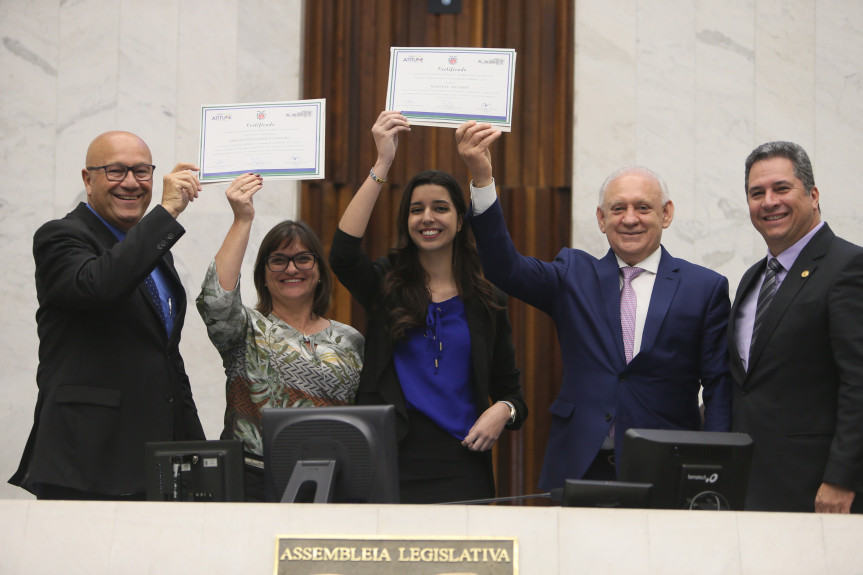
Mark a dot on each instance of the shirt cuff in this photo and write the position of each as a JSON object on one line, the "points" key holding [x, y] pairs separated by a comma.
{"points": [[482, 199]]}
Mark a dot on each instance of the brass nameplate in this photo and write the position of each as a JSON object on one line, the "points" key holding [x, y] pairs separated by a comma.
{"points": [[382, 555]]}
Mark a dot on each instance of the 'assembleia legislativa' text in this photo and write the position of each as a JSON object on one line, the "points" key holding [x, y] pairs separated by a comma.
{"points": [[405, 554]]}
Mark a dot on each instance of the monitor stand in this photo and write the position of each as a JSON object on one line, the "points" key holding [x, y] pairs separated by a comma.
{"points": [[312, 481]]}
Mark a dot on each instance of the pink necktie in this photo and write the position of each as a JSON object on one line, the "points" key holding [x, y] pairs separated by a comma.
{"points": [[628, 302], [627, 309]]}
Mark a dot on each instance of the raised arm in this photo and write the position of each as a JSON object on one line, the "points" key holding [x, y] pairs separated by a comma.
{"points": [[386, 134], [229, 258]]}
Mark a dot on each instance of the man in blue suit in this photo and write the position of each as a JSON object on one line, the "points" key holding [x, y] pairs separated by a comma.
{"points": [[676, 344]]}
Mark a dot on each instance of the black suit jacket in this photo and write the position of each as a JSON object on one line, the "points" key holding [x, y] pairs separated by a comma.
{"points": [[802, 398], [110, 378]]}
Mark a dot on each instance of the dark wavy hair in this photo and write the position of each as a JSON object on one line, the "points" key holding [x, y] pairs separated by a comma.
{"points": [[293, 231], [405, 288], [788, 150]]}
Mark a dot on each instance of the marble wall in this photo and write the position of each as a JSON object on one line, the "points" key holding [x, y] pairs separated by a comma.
{"points": [[687, 88], [72, 69]]}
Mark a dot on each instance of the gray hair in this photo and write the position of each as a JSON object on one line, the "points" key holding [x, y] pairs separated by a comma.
{"points": [[788, 150], [634, 171]]}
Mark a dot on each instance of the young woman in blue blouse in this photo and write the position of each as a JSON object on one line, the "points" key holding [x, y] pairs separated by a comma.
{"points": [[438, 343]]}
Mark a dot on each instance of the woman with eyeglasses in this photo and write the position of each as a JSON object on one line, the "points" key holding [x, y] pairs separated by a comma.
{"points": [[438, 343], [283, 352]]}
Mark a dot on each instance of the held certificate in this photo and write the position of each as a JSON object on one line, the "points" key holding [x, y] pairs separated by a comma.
{"points": [[278, 140], [448, 86]]}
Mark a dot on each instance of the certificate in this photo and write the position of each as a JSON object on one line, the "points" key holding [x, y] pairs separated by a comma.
{"points": [[448, 86], [278, 140]]}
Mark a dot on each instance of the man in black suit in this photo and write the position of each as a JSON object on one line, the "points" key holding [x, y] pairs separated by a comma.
{"points": [[796, 342], [111, 308]]}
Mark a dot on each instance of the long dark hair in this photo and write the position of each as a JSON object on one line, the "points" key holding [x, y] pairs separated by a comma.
{"points": [[405, 288], [293, 231]]}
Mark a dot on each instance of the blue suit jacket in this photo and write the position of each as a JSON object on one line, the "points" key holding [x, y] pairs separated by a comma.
{"points": [[683, 345]]}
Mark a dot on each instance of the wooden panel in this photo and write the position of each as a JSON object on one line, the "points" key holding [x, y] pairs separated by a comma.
{"points": [[347, 61]]}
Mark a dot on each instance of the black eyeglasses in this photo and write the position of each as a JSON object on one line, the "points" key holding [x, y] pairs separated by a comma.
{"points": [[302, 261], [117, 172]]}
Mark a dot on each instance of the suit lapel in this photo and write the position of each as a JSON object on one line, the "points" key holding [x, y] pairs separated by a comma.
{"points": [[664, 288], [804, 267], [609, 285], [107, 238]]}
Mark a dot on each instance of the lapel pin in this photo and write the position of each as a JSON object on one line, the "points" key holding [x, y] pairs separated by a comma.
{"points": [[805, 274]]}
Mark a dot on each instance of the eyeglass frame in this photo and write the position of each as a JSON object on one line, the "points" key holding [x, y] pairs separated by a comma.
{"points": [[126, 173], [291, 259]]}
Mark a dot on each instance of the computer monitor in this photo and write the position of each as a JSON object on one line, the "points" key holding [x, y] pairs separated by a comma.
{"points": [[331, 454], [194, 470], [589, 493], [688, 469]]}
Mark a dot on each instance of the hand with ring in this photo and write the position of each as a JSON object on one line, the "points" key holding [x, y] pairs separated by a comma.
{"points": [[240, 193]]}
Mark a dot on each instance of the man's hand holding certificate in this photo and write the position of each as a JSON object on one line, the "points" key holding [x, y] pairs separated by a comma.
{"points": [[448, 86], [278, 140]]}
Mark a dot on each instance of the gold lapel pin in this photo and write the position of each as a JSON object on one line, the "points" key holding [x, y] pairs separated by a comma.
{"points": [[805, 274]]}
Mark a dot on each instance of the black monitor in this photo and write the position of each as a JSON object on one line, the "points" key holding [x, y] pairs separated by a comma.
{"points": [[194, 470], [688, 469], [588, 493], [331, 454]]}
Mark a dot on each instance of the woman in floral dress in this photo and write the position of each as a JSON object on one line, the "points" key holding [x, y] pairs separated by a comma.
{"points": [[283, 352]]}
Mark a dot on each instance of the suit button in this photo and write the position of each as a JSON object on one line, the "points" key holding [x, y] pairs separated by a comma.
{"points": [[608, 417], [621, 377], [169, 398], [170, 236], [162, 244]]}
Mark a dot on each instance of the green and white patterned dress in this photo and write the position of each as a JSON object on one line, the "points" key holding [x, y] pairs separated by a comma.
{"points": [[268, 363]]}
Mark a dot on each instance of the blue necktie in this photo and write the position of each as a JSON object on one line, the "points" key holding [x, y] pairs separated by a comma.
{"points": [[154, 295]]}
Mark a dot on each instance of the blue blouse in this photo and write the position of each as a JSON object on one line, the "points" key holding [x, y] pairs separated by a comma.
{"points": [[434, 368]]}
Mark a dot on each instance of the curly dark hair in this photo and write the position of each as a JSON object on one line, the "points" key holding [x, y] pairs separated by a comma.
{"points": [[293, 231], [405, 288]]}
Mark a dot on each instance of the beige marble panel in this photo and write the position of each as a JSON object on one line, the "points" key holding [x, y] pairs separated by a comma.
{"points": [[785, 71], [665, 74], [723, 127], [88, 67], [839, 114], [29, 55], [584, 536], [800, 538], [605, 107]]}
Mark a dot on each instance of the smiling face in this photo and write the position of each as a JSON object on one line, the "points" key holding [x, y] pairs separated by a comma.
{"points": [[632, 217], [432, 219], [122, 204], [291, 287], [779, 207]]}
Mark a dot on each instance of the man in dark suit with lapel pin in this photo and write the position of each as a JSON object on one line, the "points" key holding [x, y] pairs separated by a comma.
{"points": [[622, 367], [111, 308], [796, 341]]}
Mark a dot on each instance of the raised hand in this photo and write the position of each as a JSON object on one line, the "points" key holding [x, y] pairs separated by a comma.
{"points": [[474, 142], [179, 187]]}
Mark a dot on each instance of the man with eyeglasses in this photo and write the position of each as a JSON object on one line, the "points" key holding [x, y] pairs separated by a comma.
{"points": [[111, 308]]}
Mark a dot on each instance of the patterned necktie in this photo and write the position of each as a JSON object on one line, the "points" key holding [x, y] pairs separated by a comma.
{"points": [[628, 302], [154, 295], [765, 296]]}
